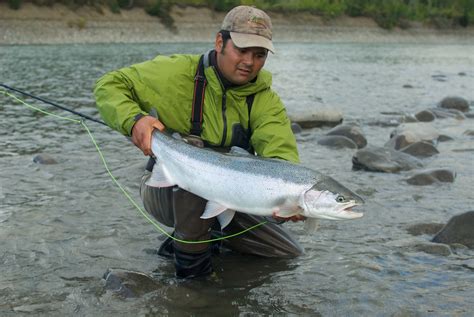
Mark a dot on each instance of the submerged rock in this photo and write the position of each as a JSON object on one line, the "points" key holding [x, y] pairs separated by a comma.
{"points": [[129, 284], [459, 229], [424, 228], [350, 131], [44, 159], [337, 141], [425, 116], [454, 102], [441, 113], [431, 176], [382, 159], [420, 149], [432, 248], [469, 132], [317, 119]]}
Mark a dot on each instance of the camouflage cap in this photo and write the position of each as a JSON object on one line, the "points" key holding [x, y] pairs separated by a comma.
{"points": [[249, 27]]}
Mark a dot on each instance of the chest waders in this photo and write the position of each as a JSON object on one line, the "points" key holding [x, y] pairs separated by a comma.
{"points": [[175, 207]]}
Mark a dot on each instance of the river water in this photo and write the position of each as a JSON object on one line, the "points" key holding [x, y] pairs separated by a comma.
{"points": [[62, 226]]}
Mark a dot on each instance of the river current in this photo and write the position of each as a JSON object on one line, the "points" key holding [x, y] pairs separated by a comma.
{"points": [[63, 225]]}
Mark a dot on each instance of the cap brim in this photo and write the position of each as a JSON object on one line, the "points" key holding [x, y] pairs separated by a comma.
{"points": [[244, 40]]}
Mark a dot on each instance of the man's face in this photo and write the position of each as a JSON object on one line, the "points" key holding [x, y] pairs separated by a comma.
{"points": [[239, 65]]}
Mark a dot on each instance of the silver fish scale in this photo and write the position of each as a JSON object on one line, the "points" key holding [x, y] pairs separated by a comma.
{"points": [[263, 167]]}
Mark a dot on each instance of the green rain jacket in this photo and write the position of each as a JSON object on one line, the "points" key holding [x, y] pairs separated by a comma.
{"points": [[166, 83]]}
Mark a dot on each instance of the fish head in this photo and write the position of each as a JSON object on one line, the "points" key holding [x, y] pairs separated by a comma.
{"points": [[328, 199]]}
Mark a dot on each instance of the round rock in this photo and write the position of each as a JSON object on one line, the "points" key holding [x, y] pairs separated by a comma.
{"points": [[350, 131], [455, 102], [129, 284], [409, 133], [459, 229], [425, 116], [428, 177], [44, 159], [420, 149], [337, 141], [382, 159]]}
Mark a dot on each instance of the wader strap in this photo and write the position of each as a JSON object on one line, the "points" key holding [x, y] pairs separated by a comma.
{"points": [[200, 83], [249, 100]]}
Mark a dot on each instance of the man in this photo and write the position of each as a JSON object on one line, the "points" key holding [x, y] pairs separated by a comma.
{"points": [[221, 99]]}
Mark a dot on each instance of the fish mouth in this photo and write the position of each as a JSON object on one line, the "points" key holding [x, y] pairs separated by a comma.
{"points": [[348, 213]]}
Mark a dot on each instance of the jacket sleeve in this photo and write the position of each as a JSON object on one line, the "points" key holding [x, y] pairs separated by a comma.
{"points": [[116, 100], [272, 135]]}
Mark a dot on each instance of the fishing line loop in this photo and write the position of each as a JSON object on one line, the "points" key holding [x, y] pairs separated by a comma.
{"points": [[104, 162]]}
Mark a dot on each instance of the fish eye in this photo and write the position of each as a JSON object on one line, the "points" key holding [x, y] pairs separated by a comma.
{"points": [[340, 199]]}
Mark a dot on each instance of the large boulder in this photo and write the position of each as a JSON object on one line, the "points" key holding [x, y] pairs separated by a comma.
{"points": [[382, 159], [350, 131], [458, 230], [454, 102]]}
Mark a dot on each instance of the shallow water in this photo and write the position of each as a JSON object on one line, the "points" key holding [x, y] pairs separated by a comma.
{"points": [[63, 225]]}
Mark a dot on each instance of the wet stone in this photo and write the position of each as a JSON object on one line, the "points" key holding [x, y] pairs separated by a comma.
{"points": [[337, 141], [317, 119], [425, 116], [350, 131], [444, 138], [469, 132], [441, 113], [432, 176], [409, 133], [454, 102], [424, 228], [129, 284], [45, 159], [407, 86], [421, 149], [382, 159], [459, 229], [436, 249], [461, 74], [296, 128]]}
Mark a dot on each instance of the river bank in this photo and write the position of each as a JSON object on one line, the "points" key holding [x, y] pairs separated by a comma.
{"points": [[59, 24]]}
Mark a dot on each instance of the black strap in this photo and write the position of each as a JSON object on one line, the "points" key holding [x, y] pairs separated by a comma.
{"points": [[200, 83], [249, 100]]}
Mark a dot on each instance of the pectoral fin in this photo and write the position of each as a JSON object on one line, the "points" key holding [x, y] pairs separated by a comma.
{"points": [[158, 178], [226, 217], [213, 209]]}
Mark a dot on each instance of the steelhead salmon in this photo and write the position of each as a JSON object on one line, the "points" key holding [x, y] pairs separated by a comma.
{"points": [[239, 181]]}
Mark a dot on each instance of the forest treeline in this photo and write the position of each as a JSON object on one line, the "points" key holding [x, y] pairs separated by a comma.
{"points": [[387, 13]]}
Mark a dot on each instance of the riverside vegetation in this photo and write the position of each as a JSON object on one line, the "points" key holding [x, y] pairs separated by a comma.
{"points": [[387, 13]]}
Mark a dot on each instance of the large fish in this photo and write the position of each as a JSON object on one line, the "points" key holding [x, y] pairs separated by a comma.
{"points": [[242, 182]]}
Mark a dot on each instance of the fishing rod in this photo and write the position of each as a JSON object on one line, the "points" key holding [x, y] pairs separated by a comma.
{"points": [[53, 104]]}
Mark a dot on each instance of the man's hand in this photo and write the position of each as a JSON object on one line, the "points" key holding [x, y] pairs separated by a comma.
{"points": [[294, 218], [142, 130]]}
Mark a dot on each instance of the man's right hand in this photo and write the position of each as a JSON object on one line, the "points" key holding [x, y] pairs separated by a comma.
{"points": [[142, 131]]}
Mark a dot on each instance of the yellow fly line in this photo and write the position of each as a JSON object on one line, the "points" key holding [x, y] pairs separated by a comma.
{"points": [[122, 189]]}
